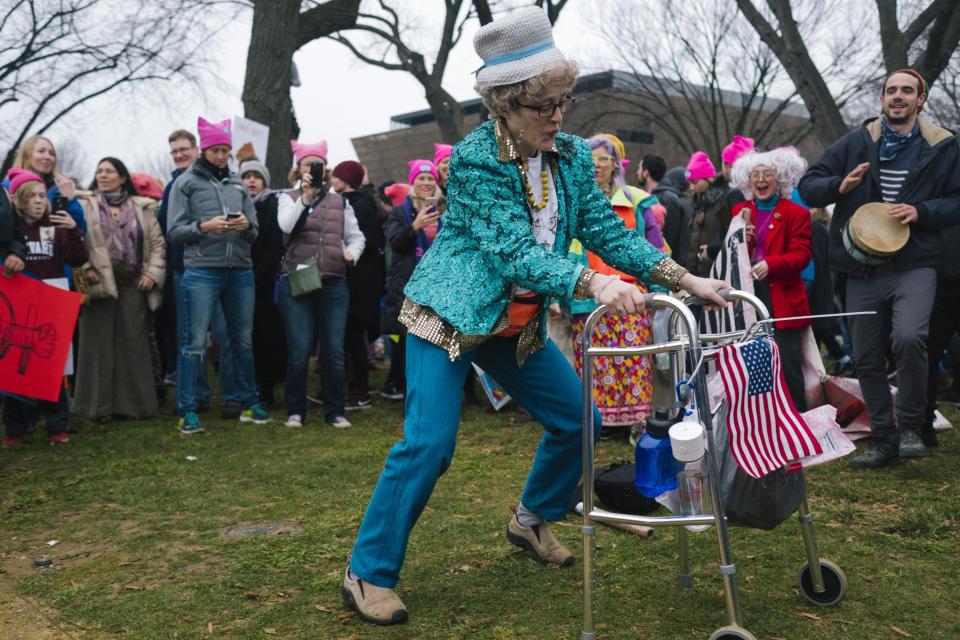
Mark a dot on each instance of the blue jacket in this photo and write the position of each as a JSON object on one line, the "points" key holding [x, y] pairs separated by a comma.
{"points": [[487, 247], [174, 251]]}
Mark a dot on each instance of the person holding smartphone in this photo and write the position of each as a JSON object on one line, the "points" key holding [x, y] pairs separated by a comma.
{"points": [[410, 229], [212, 215], [320, 227], [53, 241]]}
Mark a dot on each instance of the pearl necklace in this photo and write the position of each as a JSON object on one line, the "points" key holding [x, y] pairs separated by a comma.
{"points": [[544, 181]]}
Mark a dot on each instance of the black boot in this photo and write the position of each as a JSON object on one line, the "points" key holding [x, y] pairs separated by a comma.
{"points": [[911, 445], [881, 455]]}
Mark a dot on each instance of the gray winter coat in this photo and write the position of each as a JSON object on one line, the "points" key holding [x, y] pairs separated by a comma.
{"points": [[198, 196]]}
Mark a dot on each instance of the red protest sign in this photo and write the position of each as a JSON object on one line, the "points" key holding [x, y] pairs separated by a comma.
{"points": [[36, 329]]}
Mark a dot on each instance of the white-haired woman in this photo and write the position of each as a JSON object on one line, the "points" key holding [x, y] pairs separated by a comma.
{"points": [[518, 192], [779, 241]]}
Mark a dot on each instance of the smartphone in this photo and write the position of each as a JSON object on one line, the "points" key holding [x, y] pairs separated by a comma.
{"points": [[316, 174], [233, 215], [432, 201], [59, 203]]}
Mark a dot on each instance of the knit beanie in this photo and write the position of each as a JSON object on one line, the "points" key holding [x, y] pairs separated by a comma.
{"points": [[422, 166], [700, 167], [214, 133], [19, 177], [397, 193], [257, 167], [737, 147], [303, 150], [351, 172], [441, 151], [146, 185]]}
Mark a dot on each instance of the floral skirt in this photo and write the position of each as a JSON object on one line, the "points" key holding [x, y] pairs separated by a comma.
{"points": [[622, 387]]}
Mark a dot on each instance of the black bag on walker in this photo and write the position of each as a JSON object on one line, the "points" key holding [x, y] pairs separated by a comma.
{"points": [[759, 503]]}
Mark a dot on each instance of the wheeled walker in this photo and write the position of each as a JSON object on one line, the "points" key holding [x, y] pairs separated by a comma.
{"points": [[821, 582]]}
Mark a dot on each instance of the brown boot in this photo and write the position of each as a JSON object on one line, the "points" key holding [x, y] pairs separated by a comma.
{"points": [[372, 603], [538, 540]]}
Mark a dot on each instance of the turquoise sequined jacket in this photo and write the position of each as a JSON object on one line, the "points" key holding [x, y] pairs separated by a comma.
{"points": [[459, 293]]}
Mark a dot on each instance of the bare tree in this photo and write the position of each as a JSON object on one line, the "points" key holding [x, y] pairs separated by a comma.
{"points": [[683, 77], [381, 39], [927, 42], [58, 55], [280, 28], [390, 48]]}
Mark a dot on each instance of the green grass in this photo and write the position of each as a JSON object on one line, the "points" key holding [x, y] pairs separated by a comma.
{"points": [[143, 552]]}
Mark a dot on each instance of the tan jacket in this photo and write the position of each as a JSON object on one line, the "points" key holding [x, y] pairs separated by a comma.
{"points": [[154, 248]]}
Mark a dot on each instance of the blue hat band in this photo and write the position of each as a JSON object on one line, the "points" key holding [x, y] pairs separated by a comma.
{"points": [[518, 54]]}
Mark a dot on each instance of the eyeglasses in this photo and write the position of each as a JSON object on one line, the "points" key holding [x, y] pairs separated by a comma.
{"points": [[181, 151], [768, 174], [603, 161], [547, 110]]}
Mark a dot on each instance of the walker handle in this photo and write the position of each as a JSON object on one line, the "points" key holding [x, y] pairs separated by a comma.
{"points": [[696, 301]]}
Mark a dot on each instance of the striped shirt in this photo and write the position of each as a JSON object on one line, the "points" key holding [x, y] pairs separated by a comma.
{"points": [[891, 182]]}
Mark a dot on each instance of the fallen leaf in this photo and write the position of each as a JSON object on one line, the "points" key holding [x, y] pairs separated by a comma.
{"points": [[320, 608], [812, 616], [136, 587], [901, 631], [943, 488], [210, 628], [270, 631]]}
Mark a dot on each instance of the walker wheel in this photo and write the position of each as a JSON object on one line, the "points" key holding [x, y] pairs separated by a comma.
{"points": [[834, 582], [732, 632]]}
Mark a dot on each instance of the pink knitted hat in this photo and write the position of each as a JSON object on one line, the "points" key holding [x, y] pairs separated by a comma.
{"points": [[441, 151], [737, 147], [19, 177], [214, 133], [422, 166], [397, 193], [302, 150], [700, 167]]}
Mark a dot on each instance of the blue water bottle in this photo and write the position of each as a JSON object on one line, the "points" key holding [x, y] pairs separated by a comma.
{"points": [[656, 466]]}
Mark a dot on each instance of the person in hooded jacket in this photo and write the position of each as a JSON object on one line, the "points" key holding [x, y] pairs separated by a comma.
{"points": [[269, 337], [213, 216], [365, 281]]}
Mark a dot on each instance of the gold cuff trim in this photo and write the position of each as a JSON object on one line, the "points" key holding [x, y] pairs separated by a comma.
{"points": [[581, 290], [667, 274]]}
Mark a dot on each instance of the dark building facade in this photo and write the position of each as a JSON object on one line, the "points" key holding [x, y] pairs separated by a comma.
{"points": [[611, 102]]}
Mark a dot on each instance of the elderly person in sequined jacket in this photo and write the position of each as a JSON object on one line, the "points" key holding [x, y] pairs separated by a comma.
{"points": [[519, 190]]}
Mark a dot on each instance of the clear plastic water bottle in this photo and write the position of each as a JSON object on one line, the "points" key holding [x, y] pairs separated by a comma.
{"points": [[656, 466], [687, 443]]}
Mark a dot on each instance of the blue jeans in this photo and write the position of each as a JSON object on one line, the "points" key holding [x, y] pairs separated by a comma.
{"points": [[323, 312], [546, 386], [228, 375], [201, 293]]}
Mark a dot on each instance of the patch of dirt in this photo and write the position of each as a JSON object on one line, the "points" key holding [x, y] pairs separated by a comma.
{"points": [[281, 528]]}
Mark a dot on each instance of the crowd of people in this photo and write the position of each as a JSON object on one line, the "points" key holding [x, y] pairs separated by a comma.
{"points": [[516, 227]]}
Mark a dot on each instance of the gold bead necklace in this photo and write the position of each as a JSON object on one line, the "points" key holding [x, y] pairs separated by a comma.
{"points": [[544, 181]]}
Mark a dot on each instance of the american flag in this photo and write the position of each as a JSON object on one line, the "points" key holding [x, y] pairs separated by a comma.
{"points": [[765, 430]]}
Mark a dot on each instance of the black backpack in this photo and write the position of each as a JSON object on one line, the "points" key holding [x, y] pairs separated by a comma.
{"points": [[614, 487]]}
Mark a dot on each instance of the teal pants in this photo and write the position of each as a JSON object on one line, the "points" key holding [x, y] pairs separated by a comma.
{"points": [[546, 386]]}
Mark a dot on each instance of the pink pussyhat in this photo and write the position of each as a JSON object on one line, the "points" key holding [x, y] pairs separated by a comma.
{"points": [[700, 167], [20, 177], [214, 133], [737, 147], [397, 193], [441, 151], [422, 166], [303, 150]]}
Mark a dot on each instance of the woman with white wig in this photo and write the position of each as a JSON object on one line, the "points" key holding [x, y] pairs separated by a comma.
{"points": [[518, 192], [779, 242]]}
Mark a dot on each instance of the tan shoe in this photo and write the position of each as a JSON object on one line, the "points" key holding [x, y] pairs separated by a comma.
{"points": [[372, 603], [539, 541]]}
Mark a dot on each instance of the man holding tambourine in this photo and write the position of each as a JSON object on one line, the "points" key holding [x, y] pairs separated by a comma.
{"points": [[896, 184]]}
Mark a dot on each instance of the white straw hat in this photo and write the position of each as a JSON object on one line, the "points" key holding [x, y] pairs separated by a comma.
{"points": [[515, 48]]}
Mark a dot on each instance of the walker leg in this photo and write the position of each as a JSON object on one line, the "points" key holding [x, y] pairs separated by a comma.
{"points": [[684, 579], [589, 632], [810, 545]]}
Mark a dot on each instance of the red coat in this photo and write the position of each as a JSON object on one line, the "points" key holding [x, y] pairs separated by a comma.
{"points": [[788, 249]]}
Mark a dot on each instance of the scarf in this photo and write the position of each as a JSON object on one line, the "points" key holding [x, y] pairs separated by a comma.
{"points": [[115, 198], [263, 195], [121, 234], [893, 142], [762, 226], [423, 241], [217, 172]]}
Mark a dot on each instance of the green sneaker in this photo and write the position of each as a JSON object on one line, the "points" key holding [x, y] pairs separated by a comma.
{"points": [[255, 414], [190, 423]]}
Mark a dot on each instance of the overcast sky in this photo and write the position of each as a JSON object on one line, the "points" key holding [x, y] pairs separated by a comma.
{"points": [[361, 102]]}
